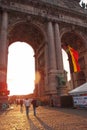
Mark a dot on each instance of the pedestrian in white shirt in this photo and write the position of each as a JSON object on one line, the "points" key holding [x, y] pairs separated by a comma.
{"points": [[27, 103]]}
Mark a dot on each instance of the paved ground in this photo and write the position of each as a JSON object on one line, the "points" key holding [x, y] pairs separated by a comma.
{"points": [[46, 119]]}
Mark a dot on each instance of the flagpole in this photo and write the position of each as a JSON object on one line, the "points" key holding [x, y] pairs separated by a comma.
{"points": [[72, 79]]}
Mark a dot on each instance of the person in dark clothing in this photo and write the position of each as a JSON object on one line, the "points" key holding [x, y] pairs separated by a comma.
{"points": [[34, 103], [21, 105]]}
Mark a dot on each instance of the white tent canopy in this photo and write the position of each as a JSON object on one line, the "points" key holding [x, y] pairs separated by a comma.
{"points": [[79, 90]]}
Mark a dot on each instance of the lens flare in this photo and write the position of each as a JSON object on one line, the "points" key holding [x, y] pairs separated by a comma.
{"points": [[38, 77]]}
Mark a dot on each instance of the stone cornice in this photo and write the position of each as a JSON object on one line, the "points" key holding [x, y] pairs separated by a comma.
{"points": [[48, 4], [46, 13]]}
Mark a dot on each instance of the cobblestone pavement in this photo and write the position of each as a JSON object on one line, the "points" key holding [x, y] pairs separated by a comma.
{"points": [[46, 119]]}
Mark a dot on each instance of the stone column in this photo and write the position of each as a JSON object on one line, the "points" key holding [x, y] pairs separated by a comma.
{"points": [[51, 47], [3, 51], [61, 88], [3, 41], [58, 47], [52, 68]]}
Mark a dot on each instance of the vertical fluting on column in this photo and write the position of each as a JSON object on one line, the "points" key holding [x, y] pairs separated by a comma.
{"points": [[51, 47], [58, 47], [3, 48], [46, 67]]}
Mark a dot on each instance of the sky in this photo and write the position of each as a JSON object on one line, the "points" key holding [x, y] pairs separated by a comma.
{"points": [[82, 1], [21, 68], [85, 1]]}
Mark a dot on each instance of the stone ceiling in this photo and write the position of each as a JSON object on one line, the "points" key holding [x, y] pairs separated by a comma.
{"points": [[26, 33]]}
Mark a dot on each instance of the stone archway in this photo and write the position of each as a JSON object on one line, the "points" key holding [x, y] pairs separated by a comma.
{"points": [[48, 54], [75, 40], [33, 35]]}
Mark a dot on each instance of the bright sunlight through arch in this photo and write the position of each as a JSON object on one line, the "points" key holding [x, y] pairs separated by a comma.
{"points": [[66, 64], [21, 69]]}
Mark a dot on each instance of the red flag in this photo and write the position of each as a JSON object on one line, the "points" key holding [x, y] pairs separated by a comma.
{"points": [[74, 58]]}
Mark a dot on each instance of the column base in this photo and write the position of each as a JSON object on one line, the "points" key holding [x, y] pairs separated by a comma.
{"points": [[4, 102], [56, 83], [3, 96]]}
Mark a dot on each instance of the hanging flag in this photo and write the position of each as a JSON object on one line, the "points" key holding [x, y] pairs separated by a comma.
{"points": [[74, 59]]}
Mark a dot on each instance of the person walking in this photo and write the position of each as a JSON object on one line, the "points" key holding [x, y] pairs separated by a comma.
{"points": [[34, 103], [27, 105], [21, 105]]}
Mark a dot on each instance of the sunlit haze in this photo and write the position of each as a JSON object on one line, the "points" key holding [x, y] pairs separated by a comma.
{"points": [[21, 69], [66, 64]]}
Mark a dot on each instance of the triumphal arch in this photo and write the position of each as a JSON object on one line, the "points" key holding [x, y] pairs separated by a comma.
{"points": [[46, 25]]}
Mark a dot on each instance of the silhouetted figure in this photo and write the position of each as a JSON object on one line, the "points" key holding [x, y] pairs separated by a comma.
{"points": [[21, 105], [17, 102], [34, 103], [52, 104], [27, 105]]}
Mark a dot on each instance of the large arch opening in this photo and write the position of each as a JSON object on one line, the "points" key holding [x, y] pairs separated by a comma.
{"points": [[21, 69], [33, 35], [75, 41]]}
